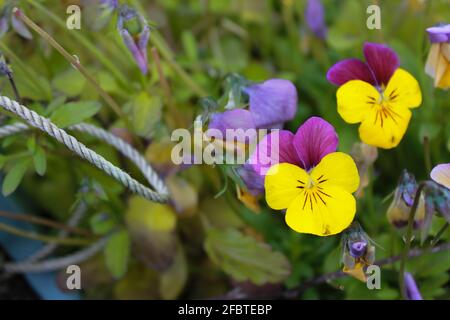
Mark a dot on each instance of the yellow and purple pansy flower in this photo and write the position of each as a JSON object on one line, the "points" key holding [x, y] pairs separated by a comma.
{"points": [[376, 93], [309, 178]]}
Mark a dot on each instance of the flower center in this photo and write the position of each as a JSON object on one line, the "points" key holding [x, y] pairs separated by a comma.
{"points": [[313, 192]]}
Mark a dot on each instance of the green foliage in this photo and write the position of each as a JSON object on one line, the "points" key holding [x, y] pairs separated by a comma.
{"points": [[74, 112], [243, 258], [14, 176], [208, 50], [117, 253]]}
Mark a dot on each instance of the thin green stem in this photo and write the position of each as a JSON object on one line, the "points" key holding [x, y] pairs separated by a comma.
{"points": [[31, 76], [167, 54], [31, 235], [439, 234], [77, 65], [159, 43], [407, 246], [81, 39], [426, 152], [45, 222]]}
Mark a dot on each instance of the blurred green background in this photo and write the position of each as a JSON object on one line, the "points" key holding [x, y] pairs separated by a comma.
{"points": [[203, 246]]}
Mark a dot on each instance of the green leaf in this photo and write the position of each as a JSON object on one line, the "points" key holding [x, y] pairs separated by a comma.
{"points": [[39, 160], [117, 253], [244, 258], [31, 144], [70, 82], [54, 104], [174, 279], [74, 112], [101, 223], [14, 176], [146, 113], [3, 160]]}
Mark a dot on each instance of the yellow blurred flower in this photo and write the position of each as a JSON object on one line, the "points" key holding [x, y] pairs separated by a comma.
{"points": [[438, 61]]}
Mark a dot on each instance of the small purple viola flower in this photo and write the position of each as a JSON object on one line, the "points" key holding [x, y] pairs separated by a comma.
{"points": [[315, 18], [313, 140], [412, 292], [381, 63], [135, 33]]}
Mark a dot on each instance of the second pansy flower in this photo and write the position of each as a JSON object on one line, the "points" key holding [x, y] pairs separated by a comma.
{"points": [[376, 93]]}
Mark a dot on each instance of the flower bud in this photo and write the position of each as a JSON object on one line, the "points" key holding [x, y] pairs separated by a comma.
{"points": [[400, 208]]}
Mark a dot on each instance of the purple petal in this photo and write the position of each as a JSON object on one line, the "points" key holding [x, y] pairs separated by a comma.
{"points": [[4, 25], [272, 102], [358, 248], [20, 27], [439, 34], [382, 60], [441, 174], [253, 180], [141, 61], [265, 155], [315, 18], [234, 119], [412, 292], [314, 140], [350, 69]]}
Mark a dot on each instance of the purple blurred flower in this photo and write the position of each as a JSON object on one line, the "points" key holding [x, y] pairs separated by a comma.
{"points": [[135, 33], [110, 4], [271, 103], [381, 63], [358, 248], [439, 33], [315, 18], [412, 292], [7, 18], [313, 140]]}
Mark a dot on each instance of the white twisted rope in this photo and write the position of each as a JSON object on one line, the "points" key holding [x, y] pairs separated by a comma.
{"points": [[32, 118], [56, 263]]}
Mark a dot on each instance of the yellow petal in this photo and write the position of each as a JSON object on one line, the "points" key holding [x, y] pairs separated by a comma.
{"points": [[281, 184], [322, 212], [357, 272], [355, 99], [403, 90], [385, 127], [248, 199], [337, 169], [444, 82]]}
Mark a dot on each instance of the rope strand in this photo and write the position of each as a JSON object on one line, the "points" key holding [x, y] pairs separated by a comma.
{"points": [[35, 120]]}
